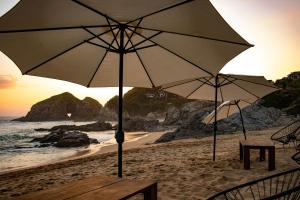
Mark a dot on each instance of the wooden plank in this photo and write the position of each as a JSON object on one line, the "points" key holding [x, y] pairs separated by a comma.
{"points": [[120, 190], [71, 189]]}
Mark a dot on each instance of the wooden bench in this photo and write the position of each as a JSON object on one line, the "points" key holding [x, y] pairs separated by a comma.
{"points": [[245, 147], [99, 187]]}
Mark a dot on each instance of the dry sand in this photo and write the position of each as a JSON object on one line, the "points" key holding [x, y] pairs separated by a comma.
{"points": [[184, 169]]}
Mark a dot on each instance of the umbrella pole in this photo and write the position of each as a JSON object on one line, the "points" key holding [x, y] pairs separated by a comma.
{"points": [[120, 133], [244, 131], [215, 122]]}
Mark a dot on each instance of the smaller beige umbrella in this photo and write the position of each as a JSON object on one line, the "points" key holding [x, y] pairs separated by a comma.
{"points": [[226, 109]]}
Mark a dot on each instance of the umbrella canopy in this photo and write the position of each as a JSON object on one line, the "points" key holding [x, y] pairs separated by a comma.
{"points": [[226, 109], [220, 88], [135, 43]]}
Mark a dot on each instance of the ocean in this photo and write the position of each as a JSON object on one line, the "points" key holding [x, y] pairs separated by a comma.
{"points": [[16, 150]]}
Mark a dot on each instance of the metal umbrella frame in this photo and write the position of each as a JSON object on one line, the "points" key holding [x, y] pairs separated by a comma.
{"points": [[220, 88], [227, 106], [86, 37]]}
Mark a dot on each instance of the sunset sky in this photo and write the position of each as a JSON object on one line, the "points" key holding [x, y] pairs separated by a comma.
{"points": [[272, 26]]}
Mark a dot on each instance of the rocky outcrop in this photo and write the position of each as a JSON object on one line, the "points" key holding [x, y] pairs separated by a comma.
{"points": [[64, 106], [142, 101], [98, 126], [60, 138], [139, 124], [179, 116], [107, 115], [256, 117], [73, 139]]}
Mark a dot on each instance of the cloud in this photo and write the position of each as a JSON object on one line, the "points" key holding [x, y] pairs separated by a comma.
{"points": [[7, 81]]}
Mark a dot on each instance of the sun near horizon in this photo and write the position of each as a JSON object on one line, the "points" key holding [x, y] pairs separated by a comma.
{"points": [[272, 26]]}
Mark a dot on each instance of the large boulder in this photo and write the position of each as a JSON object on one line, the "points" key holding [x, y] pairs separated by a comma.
{"points": [[61, 138], [50, 138], [64, 106], [73, 139], [181, 115], [256, 117]]}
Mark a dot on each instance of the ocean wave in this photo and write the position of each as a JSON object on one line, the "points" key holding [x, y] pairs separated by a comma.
{"points": [[14, 137]]}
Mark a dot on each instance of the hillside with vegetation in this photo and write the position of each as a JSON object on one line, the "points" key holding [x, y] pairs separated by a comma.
{"points": [[142, 101], [288, 98]]}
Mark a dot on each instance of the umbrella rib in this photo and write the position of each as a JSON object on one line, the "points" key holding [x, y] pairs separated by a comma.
{"points": [[104, 47], [225, 75], [181, 83], [109, 45], [207, 81], [246, 101], [161, 10], [94, 10], [97, 69], [203, 83], [187, 81], [144, 47], [61, 53], [147, 39], [89, 84], [148, 75], [112, 31], [245, 90], [270, 86], [223, 82], [221, 92], [52, 29], [193, 64], [197, 36], [132, 33], [228, 111]]}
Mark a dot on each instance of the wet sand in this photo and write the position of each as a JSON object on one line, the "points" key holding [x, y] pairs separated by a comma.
{"points": [[184, 169]]}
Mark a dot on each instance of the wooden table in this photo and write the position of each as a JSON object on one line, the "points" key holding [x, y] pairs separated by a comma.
{"points": [[245, 147], [99, 187]]}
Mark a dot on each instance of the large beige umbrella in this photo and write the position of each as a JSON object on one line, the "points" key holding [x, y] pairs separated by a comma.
{"points": [[137, 43], [220, 88], [226, 109]]}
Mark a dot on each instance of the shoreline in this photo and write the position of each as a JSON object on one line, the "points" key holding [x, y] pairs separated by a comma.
{"points": [[132, 139]]}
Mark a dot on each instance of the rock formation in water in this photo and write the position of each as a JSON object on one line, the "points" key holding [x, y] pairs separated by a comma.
{"points": [[64, 106], [60, 138], [97, 126]]}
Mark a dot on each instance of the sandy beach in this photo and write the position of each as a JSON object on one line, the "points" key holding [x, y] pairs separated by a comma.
{"points": [[183, 169]]}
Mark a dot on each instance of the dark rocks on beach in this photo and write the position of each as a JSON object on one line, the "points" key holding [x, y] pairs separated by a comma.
{"points": [[41, 129], [51, 137], [194, 129], [256, 117], [139, 124], [98, 126], [61, 138], [181, 115], [93, 141], [73, 139]]}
